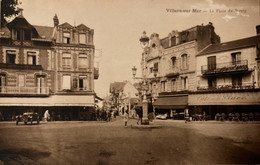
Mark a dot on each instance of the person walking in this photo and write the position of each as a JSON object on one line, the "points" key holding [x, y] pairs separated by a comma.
{"points": [[140, 116], [126, 119], [46, 115]]}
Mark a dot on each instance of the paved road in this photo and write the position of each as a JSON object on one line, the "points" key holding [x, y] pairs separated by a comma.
{"points": [[110, 143]]}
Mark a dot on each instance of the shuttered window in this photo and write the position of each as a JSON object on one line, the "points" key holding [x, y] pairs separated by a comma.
{"points": [[66, 83]]}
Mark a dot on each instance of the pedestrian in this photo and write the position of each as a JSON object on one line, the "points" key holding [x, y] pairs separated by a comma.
{"points": [[186, 113], [126, 119], [114, 113], [109, 115], [46, 115], [140, 116]]}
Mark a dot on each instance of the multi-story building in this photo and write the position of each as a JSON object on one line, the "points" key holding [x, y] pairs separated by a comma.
{"points": [[227, 76], [172, 61], [46, 68]]}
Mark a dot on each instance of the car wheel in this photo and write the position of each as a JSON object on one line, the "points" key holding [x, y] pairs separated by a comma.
{"points": [[25, 123]]}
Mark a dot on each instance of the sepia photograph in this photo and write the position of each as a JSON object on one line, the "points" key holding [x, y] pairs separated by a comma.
{"points": [[119, 82]]}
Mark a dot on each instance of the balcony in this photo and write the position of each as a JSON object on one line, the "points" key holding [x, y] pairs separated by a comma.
{"points": [[96, 73], [228, 67], [21, 43], [20, 66], [15, 90], [227, 87]]}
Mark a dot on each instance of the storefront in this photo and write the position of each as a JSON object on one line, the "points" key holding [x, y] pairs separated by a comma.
{"points": [[243, 101], [171, 105]]}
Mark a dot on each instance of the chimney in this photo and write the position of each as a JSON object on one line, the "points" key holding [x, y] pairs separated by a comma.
{"points": [[56, 20], [258, 29]]}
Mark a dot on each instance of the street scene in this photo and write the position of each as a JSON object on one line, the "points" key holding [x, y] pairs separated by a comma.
{"points": [[103, 143], [129, 82]]}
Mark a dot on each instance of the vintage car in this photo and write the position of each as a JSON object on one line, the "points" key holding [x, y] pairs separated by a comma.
{"points": [[28, 117], [161, 116]]}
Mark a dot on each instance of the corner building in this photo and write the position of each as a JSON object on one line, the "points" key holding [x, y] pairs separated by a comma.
{"points": [[173, 58], [45, 67]]}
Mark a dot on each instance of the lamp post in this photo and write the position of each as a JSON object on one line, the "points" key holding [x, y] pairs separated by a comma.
{"points": [[144, 100], [144, 42]]}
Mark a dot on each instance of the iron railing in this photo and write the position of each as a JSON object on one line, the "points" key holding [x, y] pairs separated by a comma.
{"points": [[24, 90], [225, 67], [228, 86]]}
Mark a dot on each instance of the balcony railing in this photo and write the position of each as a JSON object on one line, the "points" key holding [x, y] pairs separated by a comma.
{"points": [[20, 66], [225, 67], [226, 87], [24, 90], [21, 43]]}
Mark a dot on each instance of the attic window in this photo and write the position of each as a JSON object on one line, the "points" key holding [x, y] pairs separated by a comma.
{"points": [[82, 38], [66, 37]]}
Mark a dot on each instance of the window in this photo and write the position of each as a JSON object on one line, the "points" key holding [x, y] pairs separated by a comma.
{"points": [[212, 82], [155, 67], [17, 35], [163, 86], [237, 81], [66, 38], [2, 80], [173, 62], [173, 85], [66, 84], [83, 83], [31, 58], [184, 61], [236, 58], [66, 60], [21, 80], [212, 63], [10, 57], [83, 61], [184, 83], [151, 70], [27, 35], [82, 38], [40, 80]]}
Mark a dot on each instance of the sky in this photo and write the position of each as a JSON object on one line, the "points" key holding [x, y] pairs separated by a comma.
{"points": [[118, 25]]}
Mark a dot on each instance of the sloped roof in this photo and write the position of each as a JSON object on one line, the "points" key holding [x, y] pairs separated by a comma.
{"points": [[19, 23], [117, 87], [82, 26], [67, 25], [44, 31], [231, 45]]}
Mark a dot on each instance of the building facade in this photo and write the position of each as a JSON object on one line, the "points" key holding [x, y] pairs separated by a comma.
{"points": [[46, 68], [228, 78], [169, 64]]}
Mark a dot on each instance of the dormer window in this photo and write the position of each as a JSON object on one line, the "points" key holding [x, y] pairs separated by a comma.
{"points": [[82, 38], [66, 37], [27, 35], [22, 35]]}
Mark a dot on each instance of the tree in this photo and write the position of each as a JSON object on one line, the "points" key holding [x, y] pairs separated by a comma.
{"points": [[8, 9]]}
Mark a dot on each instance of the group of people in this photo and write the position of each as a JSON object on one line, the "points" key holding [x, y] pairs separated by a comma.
{"points": [[103, 115]]}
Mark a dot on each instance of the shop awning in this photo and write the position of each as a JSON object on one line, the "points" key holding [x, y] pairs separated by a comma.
{"points": [[176, 102]]}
